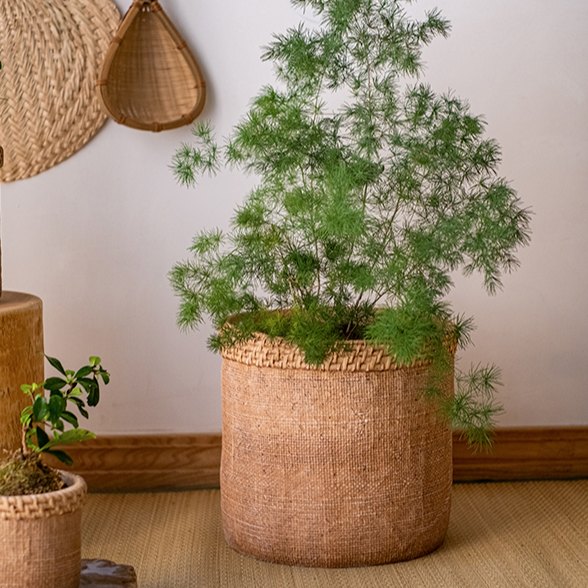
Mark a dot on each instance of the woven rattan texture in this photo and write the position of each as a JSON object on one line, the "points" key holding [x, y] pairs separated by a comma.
{"points": [[502, 535], [42, 506], [261, 351], [40, 538], [150, 79], [51, 53], [332, 469]]}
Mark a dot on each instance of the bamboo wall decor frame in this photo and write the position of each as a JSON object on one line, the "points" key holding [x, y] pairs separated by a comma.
{"points": [[150, 79]]}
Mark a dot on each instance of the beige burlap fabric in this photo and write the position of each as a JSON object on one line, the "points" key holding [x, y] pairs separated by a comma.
{"points": [[341, 466], [51, 52], [40, 537]]}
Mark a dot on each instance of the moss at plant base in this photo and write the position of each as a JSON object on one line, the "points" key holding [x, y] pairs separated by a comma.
{"points": [[27, 475]]}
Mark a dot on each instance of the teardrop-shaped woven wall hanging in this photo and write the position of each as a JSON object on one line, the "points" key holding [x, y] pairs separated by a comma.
{"points": [[51, 53], [150, 79]]}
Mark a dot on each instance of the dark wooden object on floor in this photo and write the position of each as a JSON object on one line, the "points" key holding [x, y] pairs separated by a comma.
{"points": [[101, 573]]}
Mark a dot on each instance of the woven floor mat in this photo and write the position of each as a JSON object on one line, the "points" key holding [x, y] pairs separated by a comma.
{"points": [[506, 535]]}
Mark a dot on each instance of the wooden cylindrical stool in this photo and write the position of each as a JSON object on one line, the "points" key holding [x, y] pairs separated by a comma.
{"points": [[21, 359]]}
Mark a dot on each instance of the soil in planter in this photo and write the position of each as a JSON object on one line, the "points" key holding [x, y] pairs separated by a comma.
{"points": [[21, 475]]}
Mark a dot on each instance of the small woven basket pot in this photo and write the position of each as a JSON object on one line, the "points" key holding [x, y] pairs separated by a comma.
{"points": [[40, 537], [337, 466]]}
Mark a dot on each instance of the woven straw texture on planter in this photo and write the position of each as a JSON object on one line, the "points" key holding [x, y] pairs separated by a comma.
{"points": [[344, 465], [51, 52], [150, 79], [40, 537]]}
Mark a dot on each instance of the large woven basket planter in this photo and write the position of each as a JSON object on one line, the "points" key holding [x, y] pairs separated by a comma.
{"points": [[337, 466], [40, 537]]}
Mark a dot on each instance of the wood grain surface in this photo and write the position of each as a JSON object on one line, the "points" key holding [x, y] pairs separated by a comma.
{"points": [[525, 454], [21, 359], [135, 463]]}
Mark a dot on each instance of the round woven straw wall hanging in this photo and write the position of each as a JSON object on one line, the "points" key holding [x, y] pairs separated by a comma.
{"points": [[51, 53], [150, 79]]}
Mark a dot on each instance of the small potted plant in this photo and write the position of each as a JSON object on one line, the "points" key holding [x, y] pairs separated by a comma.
{"points": [[40, 507], [328, 294]]}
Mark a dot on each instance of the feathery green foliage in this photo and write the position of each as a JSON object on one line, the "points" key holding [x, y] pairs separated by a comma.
{"points": [[363, 211]]}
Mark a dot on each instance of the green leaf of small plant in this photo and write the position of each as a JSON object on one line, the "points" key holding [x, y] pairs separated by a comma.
{"points": [[42, 438], [52, 412], [40, 409], [31, 432], [87, 383], [61, 456], [56, 407], [93, 390], [54, 384], [71, 418], [56, 364], [95, 361], [80, 404], [83, 372], [67, 438], [26, 416]]}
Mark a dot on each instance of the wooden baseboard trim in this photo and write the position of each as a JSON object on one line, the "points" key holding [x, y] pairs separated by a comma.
{"points": [[148, 463], [537, 453]]}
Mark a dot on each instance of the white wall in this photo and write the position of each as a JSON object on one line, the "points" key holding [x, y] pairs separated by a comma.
{"points": [[95, 236]]}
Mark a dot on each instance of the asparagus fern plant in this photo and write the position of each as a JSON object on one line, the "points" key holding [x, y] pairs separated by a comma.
{"points": [[362, 211]]}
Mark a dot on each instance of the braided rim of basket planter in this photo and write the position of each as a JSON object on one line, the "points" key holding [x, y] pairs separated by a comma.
{"points": [[42, 506], [112, 110], [359, 356], [51, 53]]}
